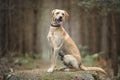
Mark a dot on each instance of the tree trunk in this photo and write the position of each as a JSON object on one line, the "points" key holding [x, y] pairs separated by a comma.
{"points": [[4, 27], [114, 45]]}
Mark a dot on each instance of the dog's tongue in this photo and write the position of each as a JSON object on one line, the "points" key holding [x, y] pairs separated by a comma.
{"points": [[59, 22]]}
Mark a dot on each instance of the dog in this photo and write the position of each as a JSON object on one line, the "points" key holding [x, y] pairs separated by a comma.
{"points": [[63, 45]]}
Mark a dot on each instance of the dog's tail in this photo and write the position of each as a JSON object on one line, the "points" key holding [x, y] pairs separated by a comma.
{"points": [[98, 69]]}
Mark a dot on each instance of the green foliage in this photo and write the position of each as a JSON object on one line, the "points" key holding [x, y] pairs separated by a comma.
{"points": [[83, 50], [90, 60], [101, 4], [23, 59], [28, 60]]}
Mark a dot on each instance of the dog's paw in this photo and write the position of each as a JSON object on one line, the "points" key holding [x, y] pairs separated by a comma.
{"points": [[50, 70], [67, 69]]}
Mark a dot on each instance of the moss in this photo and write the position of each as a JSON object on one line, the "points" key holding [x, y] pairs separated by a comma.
{"points": [[43, 75]]}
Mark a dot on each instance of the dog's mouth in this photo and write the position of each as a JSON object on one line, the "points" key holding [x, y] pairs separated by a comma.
{"points": [[59, 20]]}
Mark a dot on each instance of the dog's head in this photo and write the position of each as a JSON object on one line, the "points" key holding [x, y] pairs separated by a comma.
{"points": [[59, 15]]}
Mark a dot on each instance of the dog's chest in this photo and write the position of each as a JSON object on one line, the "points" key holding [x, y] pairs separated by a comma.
{"points": [[55, 34], [51, 33]]}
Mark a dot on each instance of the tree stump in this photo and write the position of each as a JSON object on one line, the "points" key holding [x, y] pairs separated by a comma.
{"points": [[39, 74]]}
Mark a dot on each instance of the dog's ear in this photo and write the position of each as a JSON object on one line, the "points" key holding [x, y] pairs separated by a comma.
{"points": [[66, 14], [53, 11]]}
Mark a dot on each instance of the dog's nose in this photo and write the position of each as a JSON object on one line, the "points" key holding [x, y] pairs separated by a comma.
{"points": [[60, 17]]}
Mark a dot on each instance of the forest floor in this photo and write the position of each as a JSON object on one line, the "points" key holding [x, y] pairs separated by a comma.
{"points": [[33, 68]]}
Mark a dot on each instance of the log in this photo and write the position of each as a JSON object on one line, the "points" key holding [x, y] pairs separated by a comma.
{"points": [[38, 74]]}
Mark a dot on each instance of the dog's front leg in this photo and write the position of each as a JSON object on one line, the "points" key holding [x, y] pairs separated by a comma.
{"points": [[54, 60], [57, 45]]}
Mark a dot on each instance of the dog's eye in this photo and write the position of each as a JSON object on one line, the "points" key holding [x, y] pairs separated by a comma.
{"points": [[63, 14], [57, 13]]}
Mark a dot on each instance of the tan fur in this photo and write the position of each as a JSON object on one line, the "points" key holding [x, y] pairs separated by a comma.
{"points": [[60, 40]]}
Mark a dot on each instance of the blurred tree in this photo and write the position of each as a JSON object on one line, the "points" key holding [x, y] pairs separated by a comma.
{"points": [[4, 22], [109, 45]]}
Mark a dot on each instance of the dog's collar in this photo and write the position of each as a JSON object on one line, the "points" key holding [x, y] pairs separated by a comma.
{"points": [[55, 25]]}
